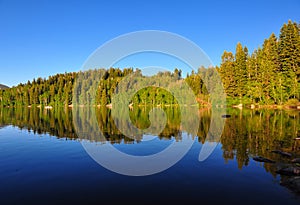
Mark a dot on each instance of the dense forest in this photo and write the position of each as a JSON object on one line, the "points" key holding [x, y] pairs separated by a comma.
{"points": [[270, 75]]}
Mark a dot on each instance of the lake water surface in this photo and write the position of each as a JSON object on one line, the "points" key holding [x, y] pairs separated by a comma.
{"points": [[42, 160]]}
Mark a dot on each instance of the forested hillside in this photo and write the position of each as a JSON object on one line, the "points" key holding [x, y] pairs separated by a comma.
{"points": [[270, 75]]}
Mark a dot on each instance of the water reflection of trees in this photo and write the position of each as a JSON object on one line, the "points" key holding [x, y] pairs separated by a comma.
{"points": [[246, 133], [41, 121], [257, 132], [139, 117], [59, 122]]}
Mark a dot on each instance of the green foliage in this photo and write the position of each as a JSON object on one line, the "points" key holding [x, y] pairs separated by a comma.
{"points": [[270, 75], [240, 72], [54, 91], [154, 96], [107, 84], [227, 73]]}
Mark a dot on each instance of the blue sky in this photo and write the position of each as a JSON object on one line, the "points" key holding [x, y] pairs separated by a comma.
{"points": [[42, 38]]}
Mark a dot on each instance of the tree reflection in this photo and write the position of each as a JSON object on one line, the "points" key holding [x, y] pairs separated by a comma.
{"points": [[257, 132], [246, 133]]}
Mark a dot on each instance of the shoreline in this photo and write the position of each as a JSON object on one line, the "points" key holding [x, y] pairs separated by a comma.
{"points": [[109, 106]]}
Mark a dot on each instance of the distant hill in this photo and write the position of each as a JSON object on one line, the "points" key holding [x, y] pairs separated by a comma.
{"points": [[3, 87]]}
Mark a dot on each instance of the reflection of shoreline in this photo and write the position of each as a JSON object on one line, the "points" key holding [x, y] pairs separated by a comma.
{"points": [[131, 106], [267, 124], [271, 129], [61, 121], [247, 132]]}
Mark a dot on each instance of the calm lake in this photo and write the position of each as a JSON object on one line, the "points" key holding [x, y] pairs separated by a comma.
{"points": [[42, 160]]}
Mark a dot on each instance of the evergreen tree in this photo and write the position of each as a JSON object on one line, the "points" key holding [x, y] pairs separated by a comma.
{"points": [[269, 69], [227, 73], [254, 84], [240, 73], [289, 60], [269, 75]]}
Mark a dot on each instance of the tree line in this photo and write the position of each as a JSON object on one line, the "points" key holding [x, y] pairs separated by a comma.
{"points": [[97, 87], [55, 91], [269, 75]]}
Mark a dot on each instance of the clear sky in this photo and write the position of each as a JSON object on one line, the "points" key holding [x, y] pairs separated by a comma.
{"points": [[42, 38]]}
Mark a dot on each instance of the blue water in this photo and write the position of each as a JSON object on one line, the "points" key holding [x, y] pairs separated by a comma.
{"points": [[42, 169]]}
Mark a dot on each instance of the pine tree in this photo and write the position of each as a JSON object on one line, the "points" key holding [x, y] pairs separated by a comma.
{"points": [[227, 73], [240, 70], [289, 60], [269, 68], [254, 85]]}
